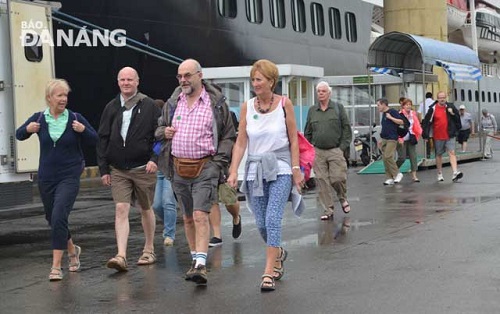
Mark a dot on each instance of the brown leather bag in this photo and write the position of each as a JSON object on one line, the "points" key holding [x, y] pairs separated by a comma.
{"points": [[189, 168]]}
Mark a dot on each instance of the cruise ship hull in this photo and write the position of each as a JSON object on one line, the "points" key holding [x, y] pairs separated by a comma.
{"points": [[195, 29]]}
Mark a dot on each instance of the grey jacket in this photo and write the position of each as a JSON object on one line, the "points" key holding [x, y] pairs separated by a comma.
{"points": [[223, 127], [267, 169]]}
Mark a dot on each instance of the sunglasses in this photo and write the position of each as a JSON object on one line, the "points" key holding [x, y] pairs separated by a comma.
{"points": [[187, 76]]}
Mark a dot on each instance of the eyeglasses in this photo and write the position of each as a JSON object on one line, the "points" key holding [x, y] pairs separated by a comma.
{"points": [[187, 76]]}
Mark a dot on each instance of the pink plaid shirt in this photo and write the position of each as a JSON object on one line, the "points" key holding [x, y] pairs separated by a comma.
{"points": [[194, 136]]}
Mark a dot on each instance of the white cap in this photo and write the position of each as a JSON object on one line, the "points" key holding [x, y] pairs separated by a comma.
{"points": [[462, 107]]}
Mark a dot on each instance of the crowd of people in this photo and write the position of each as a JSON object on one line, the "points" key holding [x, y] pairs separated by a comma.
{"points": [[440, 124], [185, 154]]}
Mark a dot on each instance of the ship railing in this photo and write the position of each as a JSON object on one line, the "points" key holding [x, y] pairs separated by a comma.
{"points": [[486, 31], [490, 70], [77, 23]]}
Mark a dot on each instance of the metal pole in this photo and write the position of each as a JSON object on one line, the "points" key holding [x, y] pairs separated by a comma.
{"points": [[370, 129], [482, 139], [423, 106], [472, 7]]}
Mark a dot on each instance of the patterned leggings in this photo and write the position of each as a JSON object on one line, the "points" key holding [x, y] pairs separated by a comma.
{"points": [[268, 210]]}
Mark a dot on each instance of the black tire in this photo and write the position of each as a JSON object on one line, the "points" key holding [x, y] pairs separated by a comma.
{"points": [[365, 159]]}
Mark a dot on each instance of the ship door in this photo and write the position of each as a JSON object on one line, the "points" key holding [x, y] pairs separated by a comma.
{"points": [[32, 66]]}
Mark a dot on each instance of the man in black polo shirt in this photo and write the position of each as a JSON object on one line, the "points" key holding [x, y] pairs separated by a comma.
{"points": [[390, 121]]}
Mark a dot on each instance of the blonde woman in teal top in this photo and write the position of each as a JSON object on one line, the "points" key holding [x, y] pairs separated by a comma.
{"points": [[61, 133]]}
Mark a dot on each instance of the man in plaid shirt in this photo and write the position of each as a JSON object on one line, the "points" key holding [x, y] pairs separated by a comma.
{"points": [[196, 124]]}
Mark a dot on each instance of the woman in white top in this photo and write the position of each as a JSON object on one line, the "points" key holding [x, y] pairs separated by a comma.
{"points": [[267, 127]]}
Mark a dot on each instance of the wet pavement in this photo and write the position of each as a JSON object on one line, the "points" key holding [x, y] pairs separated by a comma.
{"points": [[423, 247]]}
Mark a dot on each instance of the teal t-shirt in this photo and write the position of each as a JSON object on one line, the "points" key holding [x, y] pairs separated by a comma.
{"points": [[56, 126]]}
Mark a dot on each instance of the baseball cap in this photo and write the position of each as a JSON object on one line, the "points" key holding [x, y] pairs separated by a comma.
{"points": [[462, 107]]}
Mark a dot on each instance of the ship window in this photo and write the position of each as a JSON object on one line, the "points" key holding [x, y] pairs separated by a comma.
{"points": [[494, 97], [350, 25], [227, 8], [335, 28], [254, 11], [33, 50], [489, 96], [482, 97], [277, 13], [317, 19], [469, 95], [298, 16], [476, 95], [455, 94], [462, 95]]}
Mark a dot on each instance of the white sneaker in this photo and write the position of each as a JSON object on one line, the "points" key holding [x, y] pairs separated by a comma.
{"points": [[398, 178], [389, 182], [440, 177]]}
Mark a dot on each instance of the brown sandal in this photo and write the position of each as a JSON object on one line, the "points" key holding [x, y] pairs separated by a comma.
{"points": [[281, 259], [118, 262], [76, 265], [56, 274], [147, 258], [267, 285]]}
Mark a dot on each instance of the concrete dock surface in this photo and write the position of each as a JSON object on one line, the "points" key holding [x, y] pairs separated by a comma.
{"points": [[428, 247]]}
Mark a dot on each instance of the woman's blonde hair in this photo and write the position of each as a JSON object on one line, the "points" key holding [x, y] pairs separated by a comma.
{"points": [[53, 84], [268, 69]]}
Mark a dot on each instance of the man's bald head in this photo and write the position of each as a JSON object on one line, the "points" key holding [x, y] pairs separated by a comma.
{"points": [[128, 81]]}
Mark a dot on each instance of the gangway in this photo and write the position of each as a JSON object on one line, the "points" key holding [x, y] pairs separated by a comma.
{"points": [[416, 55]]}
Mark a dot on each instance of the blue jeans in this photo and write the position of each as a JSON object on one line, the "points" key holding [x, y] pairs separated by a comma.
{"points": [[164, 205]]}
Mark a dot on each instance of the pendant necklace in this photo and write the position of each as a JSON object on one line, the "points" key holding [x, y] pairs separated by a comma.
{"points": [[259, 108]]}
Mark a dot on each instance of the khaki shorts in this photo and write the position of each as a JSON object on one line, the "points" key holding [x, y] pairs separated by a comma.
{"points": [[131, 186]]}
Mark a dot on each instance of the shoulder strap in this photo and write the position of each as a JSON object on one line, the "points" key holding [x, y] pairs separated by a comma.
{"points": [[283, 100], [39, 117], [41, 114], [337, 110]]}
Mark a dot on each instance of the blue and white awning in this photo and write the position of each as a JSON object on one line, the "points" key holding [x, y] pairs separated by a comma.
{"points": [[460, 72], [387, 71]]}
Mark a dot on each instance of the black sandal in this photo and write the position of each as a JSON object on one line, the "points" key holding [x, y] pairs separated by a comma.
{"points": [[327, 217], [267, 285], [344, 207]]}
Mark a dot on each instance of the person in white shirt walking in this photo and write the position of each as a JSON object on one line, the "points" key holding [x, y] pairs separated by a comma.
{"points": [[488, 125], [424, 106]]}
